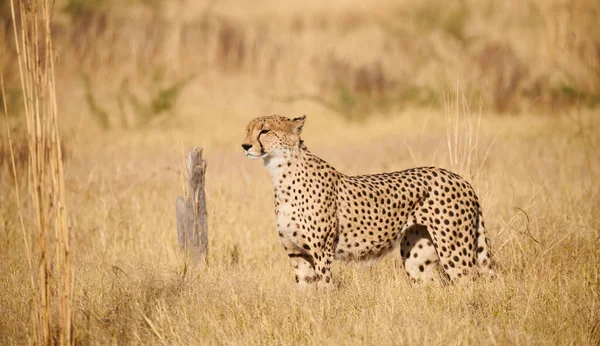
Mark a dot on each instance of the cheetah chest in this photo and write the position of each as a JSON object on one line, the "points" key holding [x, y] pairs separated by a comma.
{"points": [[287, 222]]}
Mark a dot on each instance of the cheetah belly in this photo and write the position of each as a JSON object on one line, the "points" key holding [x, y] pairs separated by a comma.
{"points": [[364, 242]]}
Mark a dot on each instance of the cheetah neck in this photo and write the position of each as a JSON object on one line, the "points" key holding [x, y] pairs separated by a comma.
{"points": [[292, 167], [283, 166], [280, 164]]}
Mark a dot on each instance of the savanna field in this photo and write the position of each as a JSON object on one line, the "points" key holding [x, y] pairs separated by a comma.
{"points": [[505, 94]]}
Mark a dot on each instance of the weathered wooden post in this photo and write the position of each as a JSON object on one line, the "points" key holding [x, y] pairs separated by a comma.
{"points": [[192, 225]]}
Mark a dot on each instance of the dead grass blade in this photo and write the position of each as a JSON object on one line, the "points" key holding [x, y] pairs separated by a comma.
{"points": [[33, 41]]}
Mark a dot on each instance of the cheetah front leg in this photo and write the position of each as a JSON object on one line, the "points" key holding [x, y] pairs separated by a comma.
{"points": [[304, 268], [302, 262]]}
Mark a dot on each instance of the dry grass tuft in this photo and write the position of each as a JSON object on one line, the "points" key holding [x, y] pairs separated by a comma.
{"points": [[500, 92]]}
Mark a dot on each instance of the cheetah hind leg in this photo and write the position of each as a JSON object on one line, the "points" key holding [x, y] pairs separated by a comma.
{"points": [[419, 256]]}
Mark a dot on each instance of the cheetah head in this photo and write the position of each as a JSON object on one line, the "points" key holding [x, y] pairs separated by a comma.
{"points": [[272, 136]]}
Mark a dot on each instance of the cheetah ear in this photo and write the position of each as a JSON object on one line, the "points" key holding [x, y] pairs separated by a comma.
{"points": [[297, 124]]}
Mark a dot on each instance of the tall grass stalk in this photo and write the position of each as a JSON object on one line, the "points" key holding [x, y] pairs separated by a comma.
{"points": [[462, 134], [33, 41]]}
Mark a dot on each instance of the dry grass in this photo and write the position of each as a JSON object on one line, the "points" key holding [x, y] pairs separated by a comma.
{"points": [[131, 286], [538, 176], [50, 289]]}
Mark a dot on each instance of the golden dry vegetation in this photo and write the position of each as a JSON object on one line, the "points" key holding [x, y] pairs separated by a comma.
{"points": [[503, 93]]}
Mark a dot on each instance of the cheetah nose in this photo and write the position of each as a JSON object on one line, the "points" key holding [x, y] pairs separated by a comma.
{"points": [[246, 146]]}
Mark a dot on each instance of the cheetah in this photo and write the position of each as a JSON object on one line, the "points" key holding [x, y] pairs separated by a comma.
{"points": [[433, 215]]}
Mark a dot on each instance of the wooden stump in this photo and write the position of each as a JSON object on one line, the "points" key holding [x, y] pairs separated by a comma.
{"points": [[192, 226]]}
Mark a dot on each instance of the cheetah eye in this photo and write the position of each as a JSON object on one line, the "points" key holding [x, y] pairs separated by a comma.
{"points": [[264, 132]]}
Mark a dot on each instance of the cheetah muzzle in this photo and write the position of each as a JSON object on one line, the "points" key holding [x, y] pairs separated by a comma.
{"points": [[433, 215]]}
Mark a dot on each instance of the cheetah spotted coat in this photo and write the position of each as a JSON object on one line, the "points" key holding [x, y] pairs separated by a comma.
{"points": [[433, 215]]}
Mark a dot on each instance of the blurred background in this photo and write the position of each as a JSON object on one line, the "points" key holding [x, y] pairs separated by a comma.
{"points": [[132, 64], [505, 93]]}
